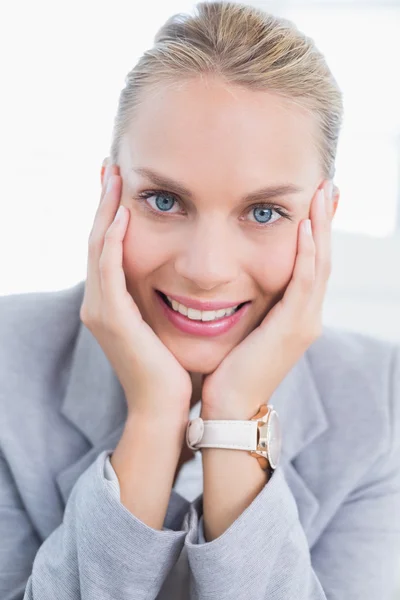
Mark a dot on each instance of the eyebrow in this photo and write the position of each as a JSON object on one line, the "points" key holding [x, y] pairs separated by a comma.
{"points": [[266, 193]]}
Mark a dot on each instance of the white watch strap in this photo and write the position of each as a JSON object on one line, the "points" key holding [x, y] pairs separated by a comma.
{"points": [[239, 435]]}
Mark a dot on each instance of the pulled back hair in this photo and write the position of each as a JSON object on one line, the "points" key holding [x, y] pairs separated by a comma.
{"points": [[243, 46]]}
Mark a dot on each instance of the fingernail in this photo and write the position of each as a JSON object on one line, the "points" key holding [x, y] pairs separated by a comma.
{"points": [[307, 226]]}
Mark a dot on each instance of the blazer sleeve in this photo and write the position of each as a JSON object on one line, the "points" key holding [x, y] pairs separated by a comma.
{"points": [[264, 554], [100, 551], [18, 540]]}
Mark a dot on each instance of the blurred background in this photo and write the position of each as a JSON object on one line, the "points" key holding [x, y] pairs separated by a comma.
{"points": [[63, 66]]}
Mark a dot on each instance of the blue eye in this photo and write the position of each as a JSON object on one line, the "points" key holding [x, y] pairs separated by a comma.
{"points": [[165, 204], [265, 212], [162, 202]]}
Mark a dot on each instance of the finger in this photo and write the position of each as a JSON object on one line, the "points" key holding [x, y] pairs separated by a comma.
{"points": [[112, 276], [321, 219], [299, 291], [106, 171], [103, 219], [106, 211]]}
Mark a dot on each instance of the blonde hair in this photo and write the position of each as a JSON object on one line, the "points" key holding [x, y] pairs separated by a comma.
{"points": [[244, 46]]}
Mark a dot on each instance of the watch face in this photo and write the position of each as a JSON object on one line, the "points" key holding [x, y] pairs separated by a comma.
{"points": [[274, 439]]}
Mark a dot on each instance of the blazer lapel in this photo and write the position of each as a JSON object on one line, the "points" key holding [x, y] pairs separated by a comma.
{"points": [[300, 409], [303, 419], [94, 403], [94, 400]]}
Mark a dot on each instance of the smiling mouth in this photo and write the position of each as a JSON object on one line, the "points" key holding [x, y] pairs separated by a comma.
{"points": [[168, 303]]}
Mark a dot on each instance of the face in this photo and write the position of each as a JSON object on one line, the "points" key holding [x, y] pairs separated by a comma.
{"points": [[212, 240]]}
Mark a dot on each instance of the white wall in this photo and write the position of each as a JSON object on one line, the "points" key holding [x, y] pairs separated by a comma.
{"points": [[364, 288]]}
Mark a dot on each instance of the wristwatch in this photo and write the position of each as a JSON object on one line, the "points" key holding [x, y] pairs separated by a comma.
{"points": [[261, 435]]}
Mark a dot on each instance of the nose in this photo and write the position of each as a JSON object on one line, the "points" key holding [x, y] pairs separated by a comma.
{"points": [[209, 257]]}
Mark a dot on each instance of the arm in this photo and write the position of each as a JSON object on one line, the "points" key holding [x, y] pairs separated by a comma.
{"points": [[264, 553], [224, 500], [145, 461], [101, 549]]}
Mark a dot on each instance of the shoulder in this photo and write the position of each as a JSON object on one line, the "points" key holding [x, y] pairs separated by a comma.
{"points": [[38, 320], [38, 331], [358, 379], [338, 351]]}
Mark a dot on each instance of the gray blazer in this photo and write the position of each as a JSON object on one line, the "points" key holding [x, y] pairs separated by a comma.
{"points": [[327, 524]]}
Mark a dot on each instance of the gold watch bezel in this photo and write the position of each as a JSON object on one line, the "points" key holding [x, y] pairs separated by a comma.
{"points": [[263, 433]]}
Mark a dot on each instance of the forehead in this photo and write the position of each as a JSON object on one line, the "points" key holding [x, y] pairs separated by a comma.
{"points": [[204, 128]]}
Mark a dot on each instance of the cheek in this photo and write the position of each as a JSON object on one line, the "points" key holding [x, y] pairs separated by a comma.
{"points": [[142, 251], [273, 267]]}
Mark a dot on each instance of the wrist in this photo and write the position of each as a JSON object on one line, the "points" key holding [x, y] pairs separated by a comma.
{"points": [[228, 414], [144, 461], [156, 426]]}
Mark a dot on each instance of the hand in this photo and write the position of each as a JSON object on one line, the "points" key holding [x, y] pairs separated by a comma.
{"points": [[154, 382], [251, 372]]}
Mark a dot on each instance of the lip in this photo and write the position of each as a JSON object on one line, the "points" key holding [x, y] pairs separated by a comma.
{"points": [[202, 328], [203, 304]]}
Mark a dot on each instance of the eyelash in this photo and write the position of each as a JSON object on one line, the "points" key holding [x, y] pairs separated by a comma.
{"points": [[160, 214]]}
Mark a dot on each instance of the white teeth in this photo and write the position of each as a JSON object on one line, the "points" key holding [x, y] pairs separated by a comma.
{"points": [[201, 315]]}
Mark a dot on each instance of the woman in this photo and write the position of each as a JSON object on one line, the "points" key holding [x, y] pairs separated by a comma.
{"points": [[222, 166]]}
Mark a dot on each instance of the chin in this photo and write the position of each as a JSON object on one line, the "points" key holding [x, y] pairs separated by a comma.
{"points": [[194, 360], [199, 366]]}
